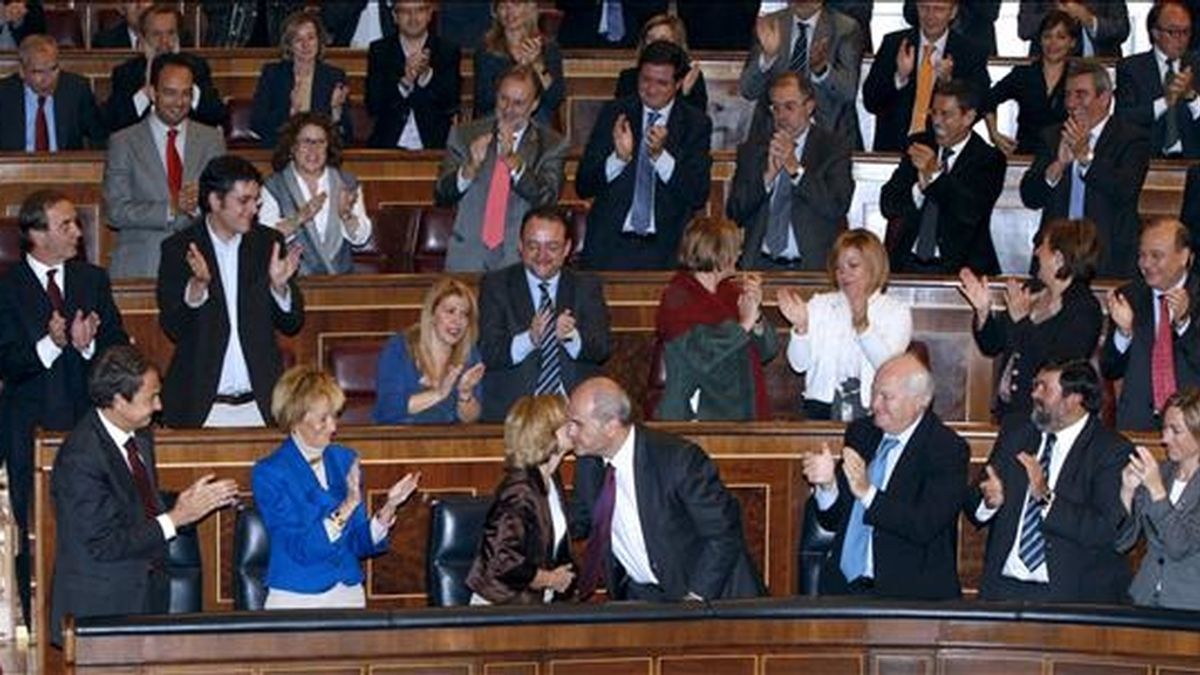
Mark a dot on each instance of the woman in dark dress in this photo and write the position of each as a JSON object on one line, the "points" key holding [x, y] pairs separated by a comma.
{"points": [[515, 38], [1037, 87], [1053, 317], [670, 28]]}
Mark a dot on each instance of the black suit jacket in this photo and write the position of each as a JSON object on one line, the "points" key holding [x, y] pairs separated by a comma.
{"points": [[819, 201], [130, 76], [1189, 211], [691, 523], [892, 107], [116, 37], [915, 519], [33, 396], [975, 21], [1135, 406], [105, 547], [341, 18], [1081, 527], [1138, 85], [689, 133], [433, 105], [506, 309], [965, 197], [581, 22], [76, 115], [201, 334], [1113, 186], [273, 99]]}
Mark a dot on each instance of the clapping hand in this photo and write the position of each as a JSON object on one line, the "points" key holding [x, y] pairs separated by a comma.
{"points": [[855, 469], [750, 301], [767, 32], [203, 497], [906, 59], [1178, 304], [201, 276], [945, 68], [477, 154], [564, 325], [1038, 488], [975, 290], [623, 138], [794, 308], [470, 378], [281, 269], [819, 467], [1017, 298], [992, 489], [818, 56], [656, 140], [83, 329], [1120, 312], [56, 328], [397, 495], [539, 325]]}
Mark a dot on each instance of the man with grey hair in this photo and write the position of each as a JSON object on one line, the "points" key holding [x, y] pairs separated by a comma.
{"points": [[660, 524], [894, 504], [47, 108], [1092, 166]]}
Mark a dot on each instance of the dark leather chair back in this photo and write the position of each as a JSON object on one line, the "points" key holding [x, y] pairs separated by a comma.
{"points": [[238, 133], [362, 123], [10, 242], [433, 234], [63, 24], [251, 551], [353, 364], [455, 528], [184, 569], [395, 227], [656, 383], [815, 542]]}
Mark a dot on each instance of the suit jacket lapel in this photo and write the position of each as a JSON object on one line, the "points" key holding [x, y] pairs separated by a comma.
{"points": [[150, 158], [644, 483], [32, 295], [114, 460], [1072, 468], [518, 290], [566, 291], [908, 462], [204, 242]]}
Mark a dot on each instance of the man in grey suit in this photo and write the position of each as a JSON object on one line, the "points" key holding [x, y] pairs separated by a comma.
{"points": [[793, 184], [820, 43], [47, 109], [150, 174], [495, 169]]}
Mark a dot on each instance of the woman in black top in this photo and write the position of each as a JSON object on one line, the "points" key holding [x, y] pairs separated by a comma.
{"points": [[670, 28], [1037, 87], [1052, 317]]}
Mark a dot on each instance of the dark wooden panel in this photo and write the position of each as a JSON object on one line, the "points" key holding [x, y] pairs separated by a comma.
{"points": [[849, 664], [902, 664], [706, 665], [978, 664], [613, 666]]}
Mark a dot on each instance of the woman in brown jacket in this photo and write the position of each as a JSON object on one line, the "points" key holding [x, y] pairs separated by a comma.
{"points": [[525, 554]]}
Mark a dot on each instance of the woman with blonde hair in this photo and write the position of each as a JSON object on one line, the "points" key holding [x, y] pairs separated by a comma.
{"points": [[840, 338], [525, 554], [714, 336], [421, 368], [309, 493], [670, 28], [513, 39]]}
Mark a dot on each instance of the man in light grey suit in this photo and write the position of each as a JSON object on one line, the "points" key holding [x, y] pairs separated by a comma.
{"points": [[495, 170], [792, 186], [150, 174], [820, 43]]}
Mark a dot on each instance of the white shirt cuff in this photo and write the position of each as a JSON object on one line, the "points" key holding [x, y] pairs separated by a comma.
{"points": [[869, 497], [613, 166], [573, 344], [1160, 106], [983, 513], [141, 102], [521, 346], [826, 496], [379, 531], [90, 350], [1120, 342], [284, 300], [461, 181], [664, 166], [168, 527], [203, 298], [47, 351]]}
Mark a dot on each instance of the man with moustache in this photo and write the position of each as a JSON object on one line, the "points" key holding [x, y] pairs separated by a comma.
{"points": [[1049, 497], [1156, 90], [944, 190]]}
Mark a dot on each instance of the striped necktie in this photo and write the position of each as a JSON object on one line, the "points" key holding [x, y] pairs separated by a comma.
{"points": [[549, 379]]}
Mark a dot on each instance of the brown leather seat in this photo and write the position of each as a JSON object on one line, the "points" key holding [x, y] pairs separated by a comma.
{"points": [[432, 235], [63, 24], [238, 133], [395, 225], [361, 120], [353, 364], [577, 228]]}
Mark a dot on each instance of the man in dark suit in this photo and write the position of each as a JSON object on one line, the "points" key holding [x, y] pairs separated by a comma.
{"points": [[899, 86], [1049, 497], [534, 344], [413, 83], [130, 97], [18, 20], [358, 23], [976, 21], [1105, 24], [661, 526], [1093, 167], [941, 196], [225, 285], [113, 527], [56, 314], [1153, 341], [1156, 90], [587, 23], [47, 110], [647, 165], [791, 192], [124, 33], [894, 504]]}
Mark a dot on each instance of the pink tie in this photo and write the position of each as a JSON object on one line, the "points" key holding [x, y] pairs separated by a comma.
{"points": [[1162, 357], [497, 204]]}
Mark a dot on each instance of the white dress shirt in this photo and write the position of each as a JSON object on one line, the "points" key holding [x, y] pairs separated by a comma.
{"points": [[410, 135], [628, 541], [119, 437], [47, 351], [269, 213], [522, 343], [664, 166], [368, 28]]}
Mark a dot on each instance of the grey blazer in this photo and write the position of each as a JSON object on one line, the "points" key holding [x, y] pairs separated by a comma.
{"points": [[1172, 545], [836, 93], [543, 152], [136, 199]]}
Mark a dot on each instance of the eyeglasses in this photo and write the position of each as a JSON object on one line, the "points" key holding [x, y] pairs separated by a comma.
{"points": [[1174, 32]]}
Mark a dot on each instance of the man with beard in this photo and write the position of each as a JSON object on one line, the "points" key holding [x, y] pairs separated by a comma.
{"points": [[1050, 496]]}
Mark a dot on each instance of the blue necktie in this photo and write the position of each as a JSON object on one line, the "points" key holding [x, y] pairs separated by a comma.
{"points": [[799, 61], [549, 379], [857, 544], [615, 31], [1032, 549], [1075, 210], [643, 184]]}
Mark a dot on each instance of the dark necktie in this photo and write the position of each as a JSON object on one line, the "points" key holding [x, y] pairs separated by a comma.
{"points": [[41, 130], [799, 62], [1170, 120], [549, 370], [779, 220], [141, 479], [54, 292], [1032, 548], [595, 556], [927, 235], [174, 166], [643, 183]]}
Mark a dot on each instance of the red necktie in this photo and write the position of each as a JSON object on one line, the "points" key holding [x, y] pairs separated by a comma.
{"points": [[595, 556], [174, 166], [497, 204], [54, 293], [141, 479], [41, 131], [1162, 357]]}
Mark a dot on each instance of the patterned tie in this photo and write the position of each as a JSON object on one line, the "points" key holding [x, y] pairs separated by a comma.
{"points": [[496, 207], [141, 479], [1170, 120], [1032, 549], [1162, 356], [615, 31], [41, 133], [174, 166], [799, 62], [924, 91], [54, 292], [927, 235], [595, 556], [1078, 192], [549, 379], [779, 222], [857, 544], [643, 185]]}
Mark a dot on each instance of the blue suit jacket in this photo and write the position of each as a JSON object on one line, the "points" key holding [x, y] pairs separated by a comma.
{"points": [[294, 507], [273, 99]]}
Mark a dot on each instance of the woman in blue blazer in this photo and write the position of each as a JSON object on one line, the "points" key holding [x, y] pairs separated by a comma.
{"points": [[300, 82], [309, 493]]}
